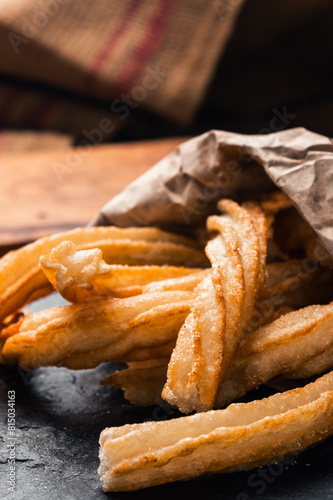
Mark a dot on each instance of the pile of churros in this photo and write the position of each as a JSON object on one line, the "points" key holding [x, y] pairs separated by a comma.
{"points": [[196, 323]]}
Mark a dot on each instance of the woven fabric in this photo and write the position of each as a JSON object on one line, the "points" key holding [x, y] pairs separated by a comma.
{"points": [[133, 69], [156, 54]]}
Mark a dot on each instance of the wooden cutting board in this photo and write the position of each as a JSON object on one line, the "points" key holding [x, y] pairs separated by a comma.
{"points": [[43, 193]]}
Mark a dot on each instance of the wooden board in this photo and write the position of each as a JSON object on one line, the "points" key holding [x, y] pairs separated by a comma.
{"points": [[43, 193]]}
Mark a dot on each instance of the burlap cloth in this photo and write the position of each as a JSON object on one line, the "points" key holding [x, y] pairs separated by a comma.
{"points": [[71, 67]]}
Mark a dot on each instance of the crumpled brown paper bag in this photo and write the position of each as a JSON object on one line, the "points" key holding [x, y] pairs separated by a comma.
{"points": [[183, 188]]}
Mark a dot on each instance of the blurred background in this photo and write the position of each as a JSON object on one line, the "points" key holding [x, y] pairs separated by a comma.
{"points": [[76, 72]]}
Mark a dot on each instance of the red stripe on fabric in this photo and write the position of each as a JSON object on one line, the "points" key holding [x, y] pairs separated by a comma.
{"points": [[8, 104], [147, 45], [47, 108], [111, 44]]}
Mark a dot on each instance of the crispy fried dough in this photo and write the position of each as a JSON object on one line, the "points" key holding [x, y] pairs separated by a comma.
{"points": [[297, 345], [260, 222], [22, 281], [84, 275], [250, 251], [200, 336], [85, 335], [279, 347], [240, 437], [206, 341], [132, 297], [224, 303], [139, 252], [141, 381], [314, 366]]}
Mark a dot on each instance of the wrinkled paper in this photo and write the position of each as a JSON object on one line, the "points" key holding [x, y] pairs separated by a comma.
{"points": [[181, 190]]}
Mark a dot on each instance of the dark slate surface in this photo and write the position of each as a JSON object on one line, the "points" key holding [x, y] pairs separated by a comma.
{"points": [[59, 416]]}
